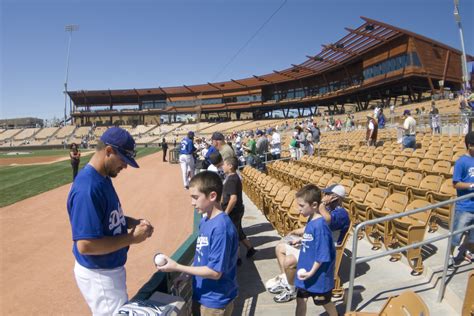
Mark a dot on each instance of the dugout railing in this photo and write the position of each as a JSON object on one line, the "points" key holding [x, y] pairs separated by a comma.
{"points": [[355, 260]]}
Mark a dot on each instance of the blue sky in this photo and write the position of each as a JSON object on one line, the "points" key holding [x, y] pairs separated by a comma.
{"points": [[143, 43]]}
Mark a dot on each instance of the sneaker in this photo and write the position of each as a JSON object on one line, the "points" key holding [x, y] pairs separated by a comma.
{"points": [[285, 296], [278, 288], [251, 252], [453, 263], [468, 256], [270, 283]]}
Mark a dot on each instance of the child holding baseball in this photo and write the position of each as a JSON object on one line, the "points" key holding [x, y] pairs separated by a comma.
{"points": [[315, 269], [215, 260]]}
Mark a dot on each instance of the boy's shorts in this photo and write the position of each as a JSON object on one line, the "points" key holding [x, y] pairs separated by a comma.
{"points": [[318, 298]]}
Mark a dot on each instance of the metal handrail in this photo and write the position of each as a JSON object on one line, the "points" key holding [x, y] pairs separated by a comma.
{"points": [[449, 235]]}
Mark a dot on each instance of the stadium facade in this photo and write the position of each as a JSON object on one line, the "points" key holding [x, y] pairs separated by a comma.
{"points": [[374, 62]]}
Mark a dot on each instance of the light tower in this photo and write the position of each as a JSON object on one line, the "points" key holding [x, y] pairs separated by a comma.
{"points": [[465, 74], [69, 28]]}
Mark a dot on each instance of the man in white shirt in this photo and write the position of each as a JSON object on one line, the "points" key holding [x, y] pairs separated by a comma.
{"points": [[275, 145], [409, 129]]}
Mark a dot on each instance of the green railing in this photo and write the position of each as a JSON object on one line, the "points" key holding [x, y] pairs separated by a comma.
{"points": [[160, 281]]}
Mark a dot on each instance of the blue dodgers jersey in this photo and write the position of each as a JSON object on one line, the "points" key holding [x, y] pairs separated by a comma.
{"points": [[317, 246], [464, 172], [186, 146], [340, 221], [216, 248], [95, 212]]}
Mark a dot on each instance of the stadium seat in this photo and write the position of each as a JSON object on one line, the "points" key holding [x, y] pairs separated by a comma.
{"points": [[443, 214], [377, 233], [394, 176], [374, 199], [468, 305], [411, 164], [408, 230], [429, 183], [338, 290], [355, 171], [409, 180], [426, 166], [379, 173], [442, 168], [275, 196], [366, 173], [323, 181]]}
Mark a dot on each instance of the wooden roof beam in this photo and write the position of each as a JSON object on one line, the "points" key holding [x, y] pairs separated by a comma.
{"points": [[214, 86], [189, 89], [379, 38], [262, 79], [323, 60], [284, 74], [240, 84], [305, 68], [335, 48]]}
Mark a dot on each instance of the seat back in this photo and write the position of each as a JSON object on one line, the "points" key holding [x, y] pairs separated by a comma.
{"points": [[468, 305], [377, 158], [419, 153], [289, 197], [270, 184], [426, 165], [367, 171], [346, 167], [315, 176], [412, 179], [399, 161], [407, 303], [395, 203], [357, 168], [432, 153], [380, 173], [411, 163], [323, 181], [348, 185], [334, 180], [407, 152], [395, 176], [422, 216], [376, 198], [431, 183], [442, 167], [387, 160], [359, 192]]}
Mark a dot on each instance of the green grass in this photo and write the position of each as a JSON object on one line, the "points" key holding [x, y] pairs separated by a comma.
{"points": [[21, 182], [37, 153]]}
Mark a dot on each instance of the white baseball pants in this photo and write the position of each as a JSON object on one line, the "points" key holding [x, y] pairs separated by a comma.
{"points": [[104, 290], [187, 168]]}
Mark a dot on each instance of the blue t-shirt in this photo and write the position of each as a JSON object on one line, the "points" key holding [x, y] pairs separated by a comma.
{"points": [[317, 246], [95, 212], [340, 221], [216, 248], [210, 150], [186, 146], [464, 172]]}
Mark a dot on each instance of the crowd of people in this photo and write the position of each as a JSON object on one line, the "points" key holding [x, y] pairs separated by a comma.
{"points": [[102, 234]]}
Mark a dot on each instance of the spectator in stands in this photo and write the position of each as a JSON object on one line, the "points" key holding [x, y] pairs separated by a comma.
{"points": [[216, 164], [275, 144], [348, 123], [377, 110], [75, 156], [316, 132], [251, 149], [218, 141], [287, 253], [293, 146], [463, 181], [232, 203], [186, 159], [164, 147], [215, 259], [381, 119], [372, 131], [309, 142], [261, 147], [434, 119], [301, 141], [409, 131]]}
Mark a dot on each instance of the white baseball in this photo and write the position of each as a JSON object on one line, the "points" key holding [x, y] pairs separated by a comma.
{"points": [[301, 272], [160, 260]]}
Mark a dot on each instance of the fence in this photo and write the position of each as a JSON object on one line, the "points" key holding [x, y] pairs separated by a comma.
{"points": [[355, 260]]}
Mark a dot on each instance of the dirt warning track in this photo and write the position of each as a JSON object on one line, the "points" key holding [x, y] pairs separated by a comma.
{"points": [[36, 261]]}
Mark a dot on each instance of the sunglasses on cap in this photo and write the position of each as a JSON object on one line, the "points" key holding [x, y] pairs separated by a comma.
{"points": [[128, 153]]}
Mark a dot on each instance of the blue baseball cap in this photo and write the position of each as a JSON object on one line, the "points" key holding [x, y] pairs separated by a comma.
{"points": [[123, 143]]}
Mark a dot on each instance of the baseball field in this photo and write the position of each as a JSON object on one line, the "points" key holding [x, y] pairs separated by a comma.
{"points": [[36, 263]]}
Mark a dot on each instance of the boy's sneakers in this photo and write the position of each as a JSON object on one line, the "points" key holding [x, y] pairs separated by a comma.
{"points": [[453, 262], [278, 287], [270, 283], [468, 256], [285, 296]]}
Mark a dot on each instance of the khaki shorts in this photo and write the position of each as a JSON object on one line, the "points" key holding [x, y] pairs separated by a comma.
{"points": [[201, 310], [290, 250]]}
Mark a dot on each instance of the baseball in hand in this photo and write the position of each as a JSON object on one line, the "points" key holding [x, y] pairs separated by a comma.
{"points": [[301, 272], [160, 260]]}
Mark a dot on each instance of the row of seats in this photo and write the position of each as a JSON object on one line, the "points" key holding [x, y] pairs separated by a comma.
{"points": [[371, 197], [276, 200]]}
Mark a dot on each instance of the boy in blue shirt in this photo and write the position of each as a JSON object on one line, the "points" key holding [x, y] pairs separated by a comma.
{"points": [[315, 269], [463, 181], [215, 260]]}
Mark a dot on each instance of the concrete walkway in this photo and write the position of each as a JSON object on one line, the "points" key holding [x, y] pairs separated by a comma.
{"points": [[375, 281]]}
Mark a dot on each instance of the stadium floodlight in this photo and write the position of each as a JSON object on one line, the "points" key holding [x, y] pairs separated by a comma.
{"points": [[465, 74], [68, 28]]}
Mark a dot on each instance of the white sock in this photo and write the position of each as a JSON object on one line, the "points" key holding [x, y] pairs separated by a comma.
{"points": [[291, 287]]}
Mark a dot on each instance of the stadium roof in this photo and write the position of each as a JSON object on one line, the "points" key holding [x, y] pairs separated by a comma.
{"points": [[367, 36]]}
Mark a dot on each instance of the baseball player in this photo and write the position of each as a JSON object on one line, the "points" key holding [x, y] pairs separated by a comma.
{"points": [[186, 159], [101, 232]]}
